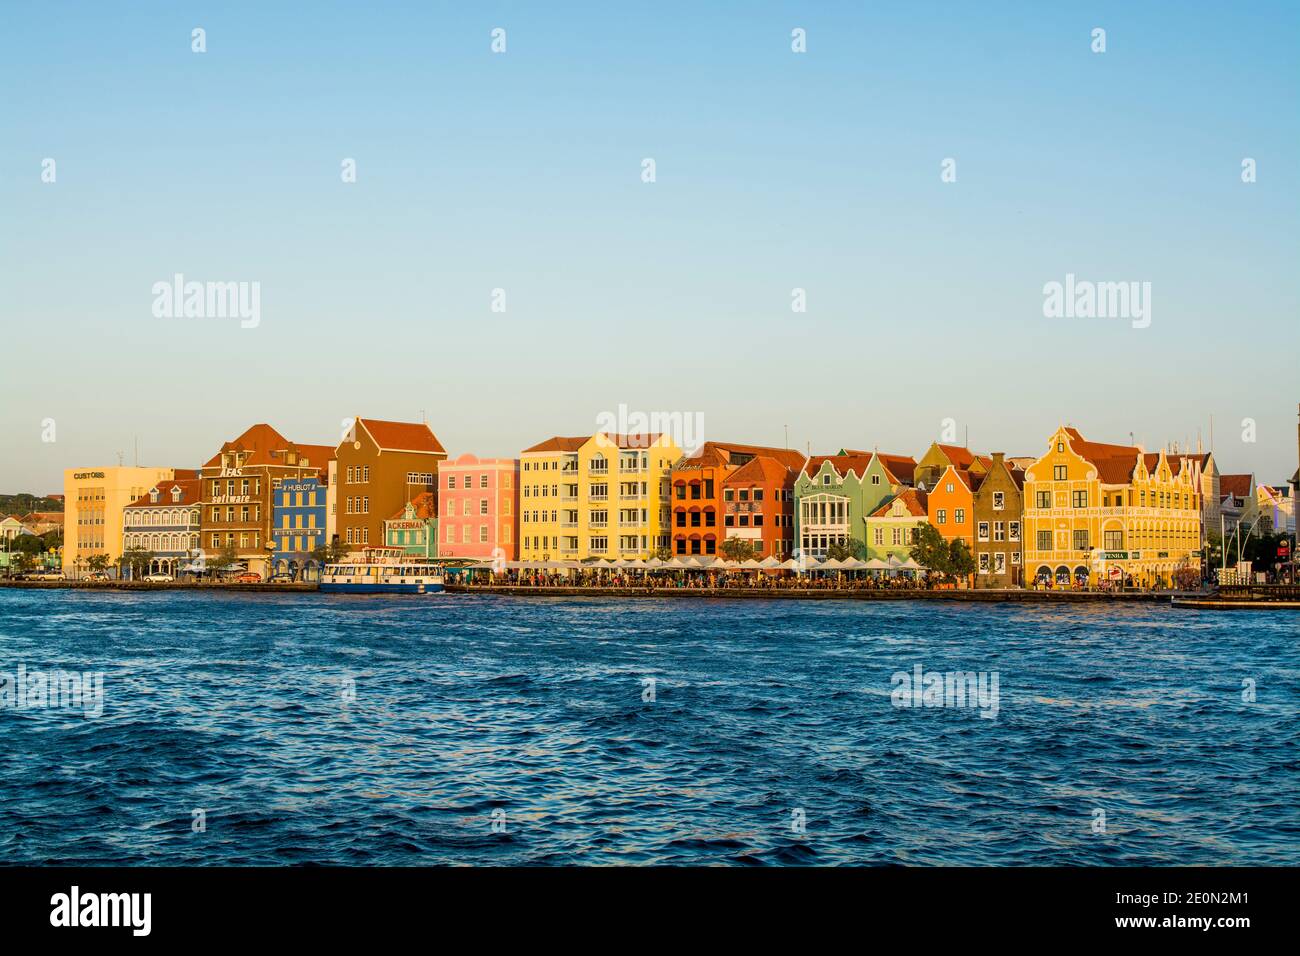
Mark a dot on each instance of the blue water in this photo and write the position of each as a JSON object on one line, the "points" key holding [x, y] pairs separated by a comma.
{"points": [[530, 711]]}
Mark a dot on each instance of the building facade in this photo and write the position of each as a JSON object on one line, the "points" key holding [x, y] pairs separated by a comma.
{"points": [[1276, 506], [702, 515], [834, 495], [94, 502], [1239, 502], [998, 505], [414, 528], [479, 508], [238, 493], [165, 521], [895, 526], [605, 496], [299, 527], [758, 505], [381, 466], [1096, 512]]}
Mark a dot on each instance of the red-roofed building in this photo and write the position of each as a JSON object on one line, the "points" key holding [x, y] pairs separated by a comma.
{"points": [[381, 465], [1097, 512], [701, 511], [758, 505], [999, 517], [237, 494], [166, 522]]}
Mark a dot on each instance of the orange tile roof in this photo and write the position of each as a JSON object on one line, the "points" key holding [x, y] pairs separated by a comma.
{"points": [[901, 467], [402, 436], [1238, 485], [758, 469], [843, 464], [715, 453], [957, 455], [913, 499], [559, 444], [191, 492], [426, 507], [258, 441]]}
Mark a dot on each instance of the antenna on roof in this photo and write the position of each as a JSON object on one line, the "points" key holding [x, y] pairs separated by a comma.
{"points": [[787, 437]]}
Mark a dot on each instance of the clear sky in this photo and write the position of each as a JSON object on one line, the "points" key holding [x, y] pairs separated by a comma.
{"points": [[522, 171]]}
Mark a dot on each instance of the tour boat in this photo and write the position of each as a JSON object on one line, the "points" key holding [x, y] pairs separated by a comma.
{"points": [[382, 571]]}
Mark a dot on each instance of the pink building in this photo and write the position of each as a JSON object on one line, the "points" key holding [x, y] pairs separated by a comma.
{"points": [[479, 503]]}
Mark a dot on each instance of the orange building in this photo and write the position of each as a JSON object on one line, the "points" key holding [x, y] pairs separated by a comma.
{"points": [[951, 504], [698, 501], [758, 505], [381, 466]]}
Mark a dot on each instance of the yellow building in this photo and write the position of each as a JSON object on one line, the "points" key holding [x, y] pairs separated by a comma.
{"points": [[605, 496], [1099, 512], [93, 500]]}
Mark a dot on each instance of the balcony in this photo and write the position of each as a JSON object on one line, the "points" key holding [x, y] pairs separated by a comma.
{"points": [[568, 524], [594, 496]]}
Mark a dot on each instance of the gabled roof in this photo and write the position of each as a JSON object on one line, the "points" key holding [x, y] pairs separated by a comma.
{"points": [[258, 442], [402, 436], [760, 469], [718, 454], [855, 462], [317, 455], [558, 444], [913, 499], [957, 455], [425, 505], [191, 492], [902, 468], [1238, 485]]}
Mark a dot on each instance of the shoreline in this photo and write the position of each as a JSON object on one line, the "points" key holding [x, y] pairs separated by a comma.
{"points": [[1180, 599]]}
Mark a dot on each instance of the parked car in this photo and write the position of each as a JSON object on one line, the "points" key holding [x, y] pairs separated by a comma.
{"points": [[159, 577], [281, 578], [98, 576], [44, 576], [248, 577]]}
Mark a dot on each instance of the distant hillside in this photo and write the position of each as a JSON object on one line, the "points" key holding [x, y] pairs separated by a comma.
{"points": [[21, 504]]}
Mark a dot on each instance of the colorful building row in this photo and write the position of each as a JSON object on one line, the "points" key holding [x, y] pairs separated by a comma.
{"points": [[1081, 510]]}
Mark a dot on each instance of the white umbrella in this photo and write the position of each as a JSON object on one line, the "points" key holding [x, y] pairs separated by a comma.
{"points": [[678, 563], [751, 563], [875, 564], [834, 564], [769, 562], [909, 565], [654, 563]]}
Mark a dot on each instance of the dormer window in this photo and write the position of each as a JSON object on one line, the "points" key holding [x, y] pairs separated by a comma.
{"points": [[153, 496], [176, 495]]}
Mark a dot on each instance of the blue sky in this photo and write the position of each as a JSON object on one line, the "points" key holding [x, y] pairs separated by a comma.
{"points": [[521, 171]]}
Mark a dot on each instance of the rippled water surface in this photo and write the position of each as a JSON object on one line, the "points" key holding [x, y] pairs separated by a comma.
{"points": [[395, 730]]}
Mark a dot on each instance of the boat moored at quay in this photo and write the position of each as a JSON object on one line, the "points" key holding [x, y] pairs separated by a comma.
{"points": [[382, 571]]}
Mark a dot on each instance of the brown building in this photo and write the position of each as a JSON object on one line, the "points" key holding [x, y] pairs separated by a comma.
{"points": [[998, 506], [698, 502], [237, 493], [381, 466]]}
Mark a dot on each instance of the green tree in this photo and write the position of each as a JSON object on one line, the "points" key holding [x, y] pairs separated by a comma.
{"points": [[23, 562], [98, 563], [664, 553], [137, 560], [737, 549], [931, 551], [846, 550], [961, 563], [225, 558]]}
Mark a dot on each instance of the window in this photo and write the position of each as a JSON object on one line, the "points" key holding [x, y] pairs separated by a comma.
{"points": [[959, 516], [1081, 499], [482, 534], [999, 531], [1043, 499], [1044, 541], [982, 531], [984, 562], [942, 516], [482, 481], [1014, 529], [482, 506], [1081, 539], [1059, 473], [1114, 540], [999, 500], [999, 563]]}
